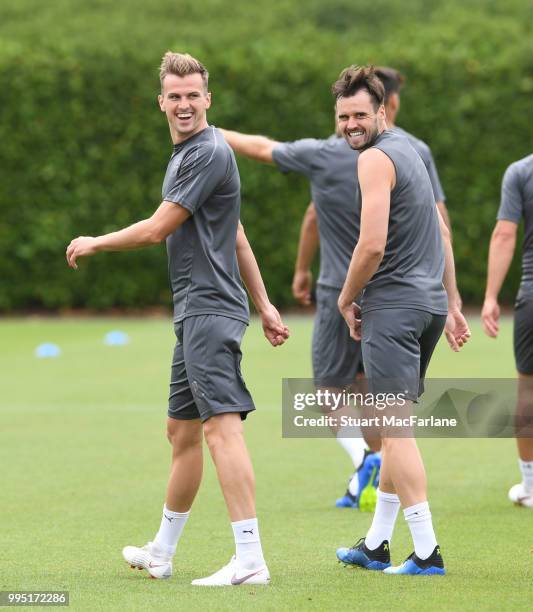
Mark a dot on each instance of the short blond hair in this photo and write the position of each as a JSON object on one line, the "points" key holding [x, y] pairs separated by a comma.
{"points": [[182, 64]]}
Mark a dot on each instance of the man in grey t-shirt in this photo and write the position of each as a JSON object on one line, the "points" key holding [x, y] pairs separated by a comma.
{"points": [[403, 264], [208, 253], [516, 206]]}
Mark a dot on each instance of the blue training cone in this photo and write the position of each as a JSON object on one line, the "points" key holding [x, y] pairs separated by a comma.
{"points": [[46, 350]]}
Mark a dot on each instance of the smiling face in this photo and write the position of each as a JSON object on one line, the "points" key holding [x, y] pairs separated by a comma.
{"points": [[185, 101], [358, 120]]}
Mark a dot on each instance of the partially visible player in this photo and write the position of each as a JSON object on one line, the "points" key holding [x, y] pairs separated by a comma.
{"points": [[404, 263], [516, 206], [208, 254]]}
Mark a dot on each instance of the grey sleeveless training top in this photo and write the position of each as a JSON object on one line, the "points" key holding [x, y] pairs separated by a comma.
{"points": [[410, 274]]}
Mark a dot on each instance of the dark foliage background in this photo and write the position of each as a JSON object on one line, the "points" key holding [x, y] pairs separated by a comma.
{"points": [[84, 146]]}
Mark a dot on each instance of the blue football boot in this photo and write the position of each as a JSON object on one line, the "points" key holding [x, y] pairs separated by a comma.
{"points": [[368, 478], [368, 475], [346, 501], [360, 555], [414, 566]]}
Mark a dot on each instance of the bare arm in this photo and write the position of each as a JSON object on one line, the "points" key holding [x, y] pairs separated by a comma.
{"points": [[144, 233], [445, 216], [376, 178], [275, 331], [456, 330], [501, 251], [449, 280], [255, 147], [307, 247], [441, 206]]}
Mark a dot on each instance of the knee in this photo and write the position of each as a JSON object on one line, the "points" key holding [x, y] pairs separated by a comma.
{"points": [[388, 444], [183, 435], [220, 431]]}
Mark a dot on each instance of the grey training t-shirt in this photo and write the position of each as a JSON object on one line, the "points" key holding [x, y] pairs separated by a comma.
{"points": [[202, 177], [410, 273], [517, 204], [330, 166], [425, 153]]}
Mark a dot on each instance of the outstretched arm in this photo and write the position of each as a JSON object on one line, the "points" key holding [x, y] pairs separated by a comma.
{"points": [[501, 251], [307, 247], [141, 234], [275, 331], [255, 147]]}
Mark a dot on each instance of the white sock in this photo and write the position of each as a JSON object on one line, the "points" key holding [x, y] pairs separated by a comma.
{"points": [[353, 485], [248, 544], [418, 519], [387, 507], [526, 467], [172, 524], [352, 441]]}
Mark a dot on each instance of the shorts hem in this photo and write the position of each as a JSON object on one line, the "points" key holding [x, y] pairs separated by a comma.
{"points": [[242, 410], [334, 382], [182, 417], [524, 371]]}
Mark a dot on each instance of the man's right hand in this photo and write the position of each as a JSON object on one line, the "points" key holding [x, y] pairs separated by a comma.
{"points": [[352, 315], [490, 317], [301, 286]]}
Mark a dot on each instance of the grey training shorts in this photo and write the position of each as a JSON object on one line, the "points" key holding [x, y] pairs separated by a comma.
{"points": [[397, 346], [523, 335], [336, 357], [205, 378]]}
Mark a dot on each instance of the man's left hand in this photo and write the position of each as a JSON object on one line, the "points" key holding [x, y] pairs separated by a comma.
{"points": [[275, 331], [456, 330], [83, 246]]}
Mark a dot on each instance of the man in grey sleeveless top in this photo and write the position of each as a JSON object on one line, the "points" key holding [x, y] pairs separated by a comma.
{"points": [[402, 258], [208, 253], [332, 221], [516, 206]]}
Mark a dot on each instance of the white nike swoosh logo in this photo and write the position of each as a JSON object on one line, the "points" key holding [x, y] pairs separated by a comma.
{"points": [[235, 580]]}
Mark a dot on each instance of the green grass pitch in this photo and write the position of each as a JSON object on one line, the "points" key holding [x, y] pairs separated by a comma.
{"points": [[84, 465]]}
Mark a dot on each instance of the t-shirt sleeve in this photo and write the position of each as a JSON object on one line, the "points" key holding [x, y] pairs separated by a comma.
{"points": [[200, 172], [295, 156], [511, 204], [434, 178]]}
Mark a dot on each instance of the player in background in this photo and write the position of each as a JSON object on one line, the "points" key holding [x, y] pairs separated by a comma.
{"points": [[516, 206], [208, 254], [404, 263]]}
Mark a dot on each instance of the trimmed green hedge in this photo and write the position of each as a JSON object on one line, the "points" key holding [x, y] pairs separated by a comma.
{"points": [[84, 146]]}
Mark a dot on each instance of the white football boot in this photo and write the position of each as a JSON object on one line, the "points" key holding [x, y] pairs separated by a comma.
{"points": [[519, 496], [150, 559], [234, 575]]}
